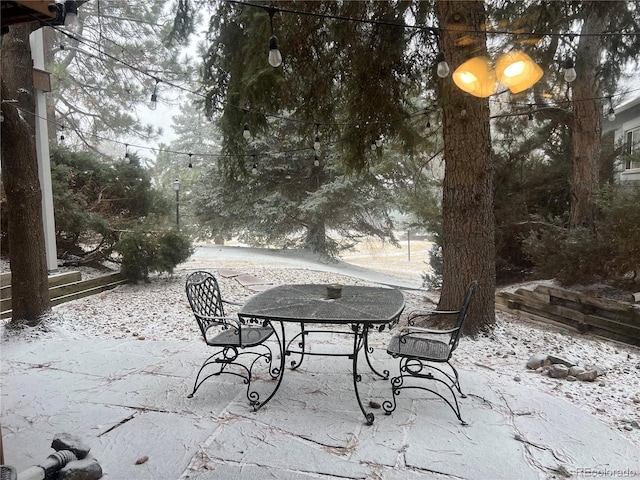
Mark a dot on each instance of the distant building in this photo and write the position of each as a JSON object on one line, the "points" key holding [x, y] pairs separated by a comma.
{"points": [[623, 133]]}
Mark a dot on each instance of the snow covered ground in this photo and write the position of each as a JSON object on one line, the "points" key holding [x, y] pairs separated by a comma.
{"points": [[159, 311]]}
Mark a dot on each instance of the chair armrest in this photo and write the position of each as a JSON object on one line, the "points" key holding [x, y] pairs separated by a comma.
{"points": [[232, 320], [409, 330], [229, 302], [427, 313]]}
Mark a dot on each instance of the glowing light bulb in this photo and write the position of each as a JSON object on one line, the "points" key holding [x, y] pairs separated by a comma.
{"points": [[316, 143], [245, 132]]}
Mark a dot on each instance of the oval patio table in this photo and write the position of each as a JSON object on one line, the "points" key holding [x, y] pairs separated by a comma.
{"points": [[360, 308]]}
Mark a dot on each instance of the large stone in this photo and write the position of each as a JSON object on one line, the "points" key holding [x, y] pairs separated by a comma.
{"points": [[66, 441], [536, 360], [85, 469], [563, 361], [588, 376], [558, 370], [576, 370]]}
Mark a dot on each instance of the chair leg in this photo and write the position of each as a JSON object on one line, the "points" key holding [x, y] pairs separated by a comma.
{"points": [[222, 358], [413, 368]]}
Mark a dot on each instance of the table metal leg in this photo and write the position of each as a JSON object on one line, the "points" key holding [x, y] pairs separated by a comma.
{"points": [[369, 350], [275, 372], [358, 340], [301, 346]]}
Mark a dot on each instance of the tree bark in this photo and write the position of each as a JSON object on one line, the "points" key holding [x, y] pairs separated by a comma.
{"points": [[468, 241], [29, 276], [587, 117]]}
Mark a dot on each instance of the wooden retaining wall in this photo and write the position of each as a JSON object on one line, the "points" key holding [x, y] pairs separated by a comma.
{"points": [[585, 313], [63, 287]]}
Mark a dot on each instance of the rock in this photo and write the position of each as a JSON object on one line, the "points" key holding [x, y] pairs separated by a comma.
{"points": [[85, 469], [536, 361], [588, 376], [576, 370], [571, 378], [562, 361], [517, 378], [66, 441], [558, 370]]}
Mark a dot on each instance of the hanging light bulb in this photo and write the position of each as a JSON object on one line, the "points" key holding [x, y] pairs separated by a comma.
{"points": [[443, 67], [373, 145], [245, 132], [316, 161], [190, 164], [611, 114], [275, 57], [126, 150], [316, 141], [379, 141], [153, 102], [71, 22], [254, 170], [569, 71]]}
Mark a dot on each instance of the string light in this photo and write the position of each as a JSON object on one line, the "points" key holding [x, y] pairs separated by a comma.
{"points": [[71, 22], [443, 67], [316, 141], [126, 150], [379, 141], [611, 114], [61, 133], [190, 164], [433, 30], [275, 57], [316, 161], [569, 71], [245, 132], [153, 102]]}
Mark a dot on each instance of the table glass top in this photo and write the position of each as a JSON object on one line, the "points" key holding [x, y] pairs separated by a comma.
{"points": [[311, 303]]}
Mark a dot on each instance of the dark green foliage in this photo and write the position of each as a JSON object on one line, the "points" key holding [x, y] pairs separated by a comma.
{"points": [[144, 253], [94, 198], [610, 252]]}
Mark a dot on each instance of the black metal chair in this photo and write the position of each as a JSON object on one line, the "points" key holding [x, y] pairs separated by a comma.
{"points": [[419, 348], [228, 334]]}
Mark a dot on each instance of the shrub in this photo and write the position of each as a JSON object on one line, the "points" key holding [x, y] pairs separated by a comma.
{"points": [[608, 252], [144, 253]]}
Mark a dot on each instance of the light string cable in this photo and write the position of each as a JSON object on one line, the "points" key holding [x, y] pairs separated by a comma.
{"points": [[434, 30], [363, 124], [281, 117]]}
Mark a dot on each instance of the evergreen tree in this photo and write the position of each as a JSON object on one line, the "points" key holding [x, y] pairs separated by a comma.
{"points": [[104, 74]]}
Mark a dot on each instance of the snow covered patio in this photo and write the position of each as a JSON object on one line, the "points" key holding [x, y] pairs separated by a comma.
{"points": [[128, 399]]}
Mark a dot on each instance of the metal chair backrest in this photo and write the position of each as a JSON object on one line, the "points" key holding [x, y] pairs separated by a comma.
{"points": [[462, 315], [204, 297]]}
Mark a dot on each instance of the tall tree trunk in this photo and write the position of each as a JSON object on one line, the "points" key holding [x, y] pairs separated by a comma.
{"points": [[587, 117], [468, 241], [29, 282]]}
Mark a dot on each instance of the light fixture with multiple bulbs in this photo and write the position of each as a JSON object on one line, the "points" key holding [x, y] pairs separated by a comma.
{"points": [[515, 70]]}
